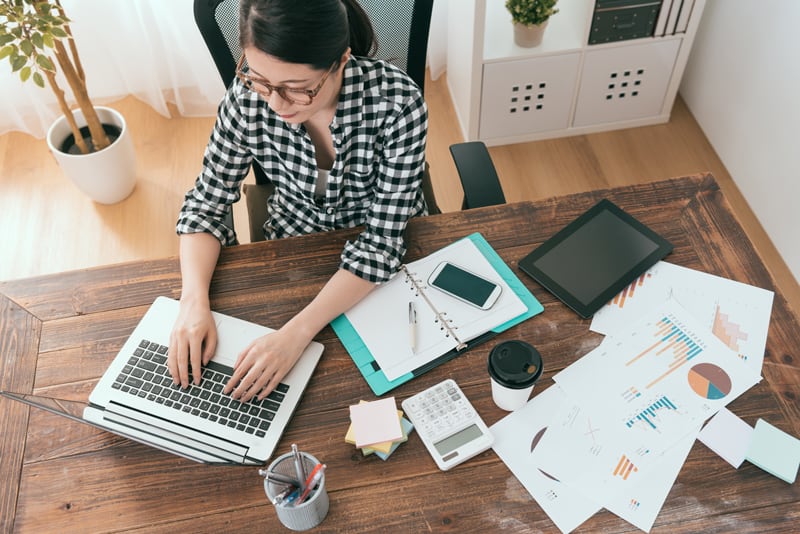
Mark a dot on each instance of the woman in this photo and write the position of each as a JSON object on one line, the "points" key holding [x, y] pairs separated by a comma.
{"points": [[340, 135]]}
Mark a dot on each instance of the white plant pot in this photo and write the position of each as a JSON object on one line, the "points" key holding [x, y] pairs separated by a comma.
{"points": [[529, 36], [108, 176]]}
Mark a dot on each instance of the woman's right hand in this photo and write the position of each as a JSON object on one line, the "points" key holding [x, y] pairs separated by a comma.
{"points": [[192, 342]]}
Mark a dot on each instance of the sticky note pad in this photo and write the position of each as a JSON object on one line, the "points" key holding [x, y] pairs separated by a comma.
{"points": [[728, 436], [384, 447], [375, 422], [387, 446], [407, 428], [774, 451]]}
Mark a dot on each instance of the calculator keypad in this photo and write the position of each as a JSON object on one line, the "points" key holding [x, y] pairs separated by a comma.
{"points": [[440, 410]]}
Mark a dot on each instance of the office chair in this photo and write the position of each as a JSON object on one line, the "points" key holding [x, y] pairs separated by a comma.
{"points": [[401, 28]]}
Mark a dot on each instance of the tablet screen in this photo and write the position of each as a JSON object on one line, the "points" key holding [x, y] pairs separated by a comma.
{"points": [[595, 257]]}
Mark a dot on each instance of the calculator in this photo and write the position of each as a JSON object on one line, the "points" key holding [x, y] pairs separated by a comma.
{"points": [[448, 425]]}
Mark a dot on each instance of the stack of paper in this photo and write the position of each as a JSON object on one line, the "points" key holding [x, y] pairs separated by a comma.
{"points": [[616, 428], [377, 427]]}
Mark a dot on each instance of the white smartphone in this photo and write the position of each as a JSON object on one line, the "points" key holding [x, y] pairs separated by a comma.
{"points": [[465, 285]]}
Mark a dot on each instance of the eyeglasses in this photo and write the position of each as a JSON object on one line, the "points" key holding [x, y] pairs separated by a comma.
{"points": [[302, 97]]}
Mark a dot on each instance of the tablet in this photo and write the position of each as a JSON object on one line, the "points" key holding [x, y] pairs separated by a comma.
{"points": [[595, 257]]}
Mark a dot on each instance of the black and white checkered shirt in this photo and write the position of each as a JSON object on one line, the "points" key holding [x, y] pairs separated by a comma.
{"points": [[379, 134]]}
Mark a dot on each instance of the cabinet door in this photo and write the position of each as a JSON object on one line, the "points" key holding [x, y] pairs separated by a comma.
{"points": [[625, 82], [528, 95]]}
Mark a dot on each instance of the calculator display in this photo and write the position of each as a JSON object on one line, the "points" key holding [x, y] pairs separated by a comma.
{"points": [[458, 439]]}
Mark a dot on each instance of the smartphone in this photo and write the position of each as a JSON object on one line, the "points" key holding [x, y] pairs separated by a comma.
{"points": [[464, 285]]}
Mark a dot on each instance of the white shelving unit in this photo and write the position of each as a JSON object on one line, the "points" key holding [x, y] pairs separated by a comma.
{"points": [[506, 94]]}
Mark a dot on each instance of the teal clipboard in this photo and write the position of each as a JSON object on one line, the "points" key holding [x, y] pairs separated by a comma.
{"points": [[370, 369]]}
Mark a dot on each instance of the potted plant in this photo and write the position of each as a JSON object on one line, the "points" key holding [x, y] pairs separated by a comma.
{"points": [[530, 19], [91, 144]]}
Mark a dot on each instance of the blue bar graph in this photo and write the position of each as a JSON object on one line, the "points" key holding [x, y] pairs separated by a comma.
{"points": [[649, 414]]}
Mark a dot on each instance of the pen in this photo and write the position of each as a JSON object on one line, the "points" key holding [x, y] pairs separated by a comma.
{"points": [[298, 467], [283, 494], [412, 325], [274, 476], [291, 497], [312, 481]]}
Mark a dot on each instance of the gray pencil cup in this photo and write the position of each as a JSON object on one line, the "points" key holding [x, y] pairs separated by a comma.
{"points": [[309, 513]]}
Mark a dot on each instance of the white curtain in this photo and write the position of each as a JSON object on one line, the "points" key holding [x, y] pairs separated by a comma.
{"points": [[150, 49], [147, 48]]}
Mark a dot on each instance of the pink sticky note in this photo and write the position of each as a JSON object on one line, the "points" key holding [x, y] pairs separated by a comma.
{"points": [[375, 422]]}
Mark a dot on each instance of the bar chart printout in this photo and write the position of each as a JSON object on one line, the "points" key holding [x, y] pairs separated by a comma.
{"points": [[671, 339], [650, 415]]}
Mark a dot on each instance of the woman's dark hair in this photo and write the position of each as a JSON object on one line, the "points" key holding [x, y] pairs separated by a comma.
{"points": [[311, 32]]}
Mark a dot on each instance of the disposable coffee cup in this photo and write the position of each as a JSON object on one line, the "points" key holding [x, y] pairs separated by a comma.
{"points": [[514, 368], [309, 513]]}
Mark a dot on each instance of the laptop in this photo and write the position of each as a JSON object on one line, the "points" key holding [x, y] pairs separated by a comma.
{"points": [[136, 398]]}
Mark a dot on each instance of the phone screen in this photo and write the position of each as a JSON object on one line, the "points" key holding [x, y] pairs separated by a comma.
{"points": [[464, 284]]}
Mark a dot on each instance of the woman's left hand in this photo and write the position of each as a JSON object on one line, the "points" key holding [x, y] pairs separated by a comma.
{"points": [[264, 363]]}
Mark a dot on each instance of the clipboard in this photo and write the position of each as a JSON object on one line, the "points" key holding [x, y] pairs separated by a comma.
{"points": [[371, 370]]}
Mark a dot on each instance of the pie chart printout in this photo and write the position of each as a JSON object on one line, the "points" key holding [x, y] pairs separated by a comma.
{"points": [[709, 381]]}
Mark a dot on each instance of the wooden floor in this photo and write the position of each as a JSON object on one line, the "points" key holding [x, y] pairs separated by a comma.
{"points": [[49, 226]]}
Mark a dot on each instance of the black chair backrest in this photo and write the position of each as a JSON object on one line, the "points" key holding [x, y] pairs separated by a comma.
{"points": [[401, 27]]}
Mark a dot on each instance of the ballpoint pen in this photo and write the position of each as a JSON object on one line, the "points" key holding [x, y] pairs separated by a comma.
{"points": [[298, 467], [284, 494], [312, 481], [276, 477], [412, 325]]}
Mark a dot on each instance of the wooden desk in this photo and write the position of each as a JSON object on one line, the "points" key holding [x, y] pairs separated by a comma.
{"points": [[58, 333]]}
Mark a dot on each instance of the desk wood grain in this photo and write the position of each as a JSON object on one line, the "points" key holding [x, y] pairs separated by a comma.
{"points": [[58, 333]]}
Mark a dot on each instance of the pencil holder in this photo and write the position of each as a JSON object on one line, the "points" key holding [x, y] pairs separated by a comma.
{"points": [[308, 513]]}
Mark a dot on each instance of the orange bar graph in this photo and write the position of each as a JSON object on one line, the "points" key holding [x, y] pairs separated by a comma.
{"points": [[627, 293], [624, 468]]}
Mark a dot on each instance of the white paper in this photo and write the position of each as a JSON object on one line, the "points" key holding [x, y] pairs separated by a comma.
{"points": [[635, 396], [738, 314], [641, 505], [381, 319], [728, 436], [515, 439]]}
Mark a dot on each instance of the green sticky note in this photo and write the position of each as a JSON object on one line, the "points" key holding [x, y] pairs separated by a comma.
{"points": [[774, 451]]}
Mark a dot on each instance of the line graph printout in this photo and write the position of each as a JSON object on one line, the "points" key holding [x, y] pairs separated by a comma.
{"points": [[736, 313], [655, 380]]}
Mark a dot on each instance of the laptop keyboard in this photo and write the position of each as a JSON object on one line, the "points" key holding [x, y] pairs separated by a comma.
{"points": [[146, 376]]}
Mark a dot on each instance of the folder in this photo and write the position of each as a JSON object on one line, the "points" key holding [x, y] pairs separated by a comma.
{"points": [[377, 326]]}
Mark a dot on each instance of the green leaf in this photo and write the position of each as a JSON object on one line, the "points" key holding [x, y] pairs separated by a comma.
{"points": [[25, 73], [38, 80], [45, 63], [59, 33], [37, 40], [49, 42], [26, 47], [18, 62], [5, 39], [6, 51]]}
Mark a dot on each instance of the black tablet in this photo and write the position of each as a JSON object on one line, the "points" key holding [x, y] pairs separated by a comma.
{"points": [[595, 257]]}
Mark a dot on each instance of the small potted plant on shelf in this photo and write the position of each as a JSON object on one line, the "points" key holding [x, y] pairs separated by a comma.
{"points": [[91, 144], [530, 19]]}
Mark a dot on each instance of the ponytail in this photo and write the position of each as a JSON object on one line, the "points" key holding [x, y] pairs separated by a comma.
{"points": [[362, 35]]}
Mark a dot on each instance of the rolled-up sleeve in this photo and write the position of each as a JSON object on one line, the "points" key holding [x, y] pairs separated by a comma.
{"points": [[378, 251]]}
